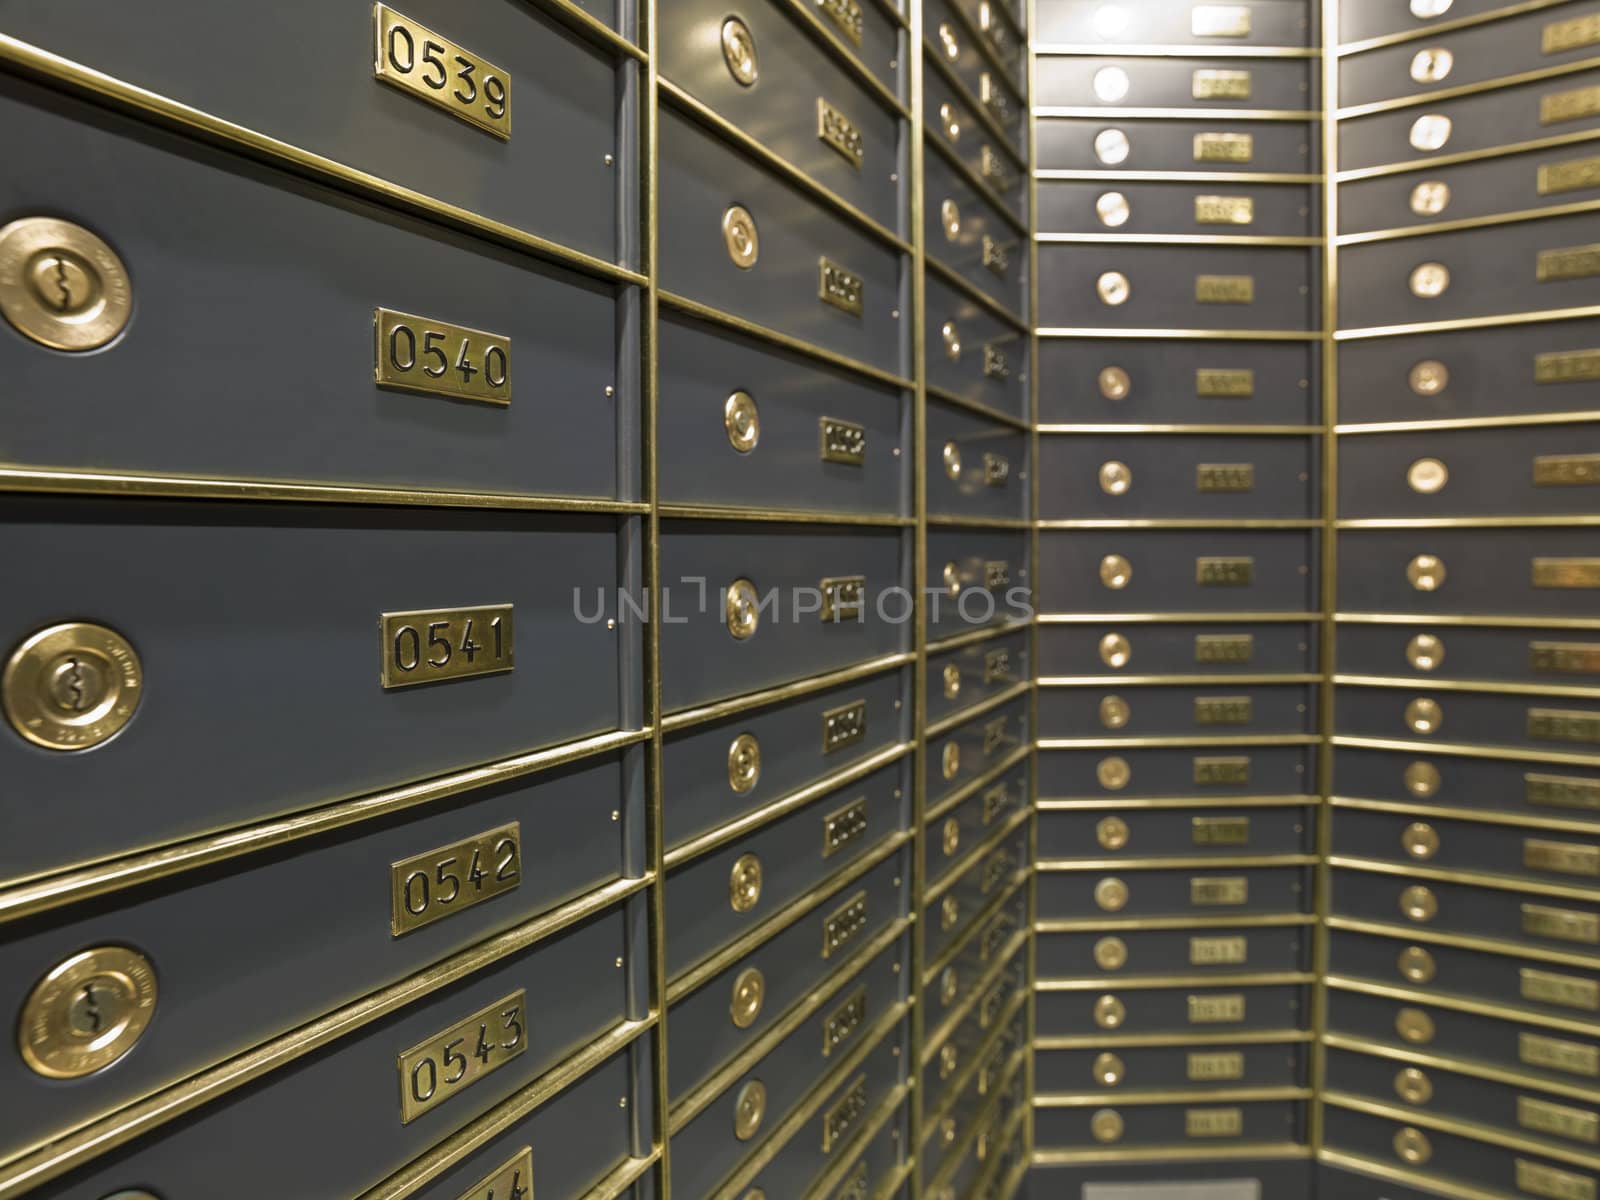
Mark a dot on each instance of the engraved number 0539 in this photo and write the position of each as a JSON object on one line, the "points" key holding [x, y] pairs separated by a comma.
{"points": [[405, 57]]}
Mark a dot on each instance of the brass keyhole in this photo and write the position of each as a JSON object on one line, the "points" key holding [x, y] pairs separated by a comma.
{"points": [[100, 1005], [64, 283], [75, 685]]}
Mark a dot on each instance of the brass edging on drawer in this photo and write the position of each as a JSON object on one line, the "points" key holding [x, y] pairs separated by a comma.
{"points": [[1217, 680], [735, 705], [26, 1171], [1496, 321], [1481, 879], [1248, 921], [683, 102], [672, 302], [1174, 239], [1175, 50], [824, 1185], [967, 790], [1426, 1181], [972, 406], [1244, 1095], [980, 185], [457, 1147], [83, 80], [976, 107], [757, 818], [1194, 335], [1507, 622], [1180, 523], [1177, 862], [795, 910], [1553, 142], [1198, 743], [1505, 754], [1464, 941], [697, 1099], [618, 1184], [1483, 686], [932, 1040], [1103, 803], [51, 481], [1184, 618], [1553, 522], [1433, 29], [30, 897], [1487, 221], [1019, 1173], [1114, 113], [791, 516], [1480, 816], [1101, 983], [982, 850], [1555, 71], [1576, 417], [1047, 1157], [954, 279], [958, 522], [1046, 174], [1466, 1129], [1231, 430], [975, 1062], [1254, 1037], [1501, 1012], [1462, 1066], [977, 635]]}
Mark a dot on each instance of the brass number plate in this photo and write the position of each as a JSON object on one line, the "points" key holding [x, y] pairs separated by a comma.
{"points": [[1225, 477], [995, 365], [1213, 1122], [844, 1021], [1220, 20], [843, 598], [996, 574], [997, 666], [514, 1181], [1562, 725], [1224, 647], [429, 887], [841, 927], [1215, 892], [1221, 85], [843, 442], [1559, 791], [846, 17], [1562, 858], [1573, 262], [1565, 658], [1221, 772], [1571, 366], [1218, 951], [841, 828], [1220, 831], [995, 869], [1213, 1068], [1223, 710], [1225, 289], [844, 726], [995, 802], [836, 130], [1561, 36], [417, 60], [1562, 924], [1566, 572], [1575, 1058], [1215, 1010], [1219, 381], [450, 1062], [415, 354], [1569, 991], [1224, 210], [1224, 147], [1566, 470], [837, 1121], [426, 646], [1562, 1120], [1539, 1180], [1569, 106], [996, 469], [840, 288], [1224, 572]]}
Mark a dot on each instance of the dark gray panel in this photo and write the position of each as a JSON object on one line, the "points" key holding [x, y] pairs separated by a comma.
{"points": [[1490, 784], [1274, 771], [968, 1036], [1164, 562], [1167, 477], [1168, 952], [340, 1107], [1362, 19], [963, 1111], [1487, 571], [564, 112], [1163, 287], [948, 42], [957, 835], [1491, 373], [700, 366], [1248, 1179], [963, 906], [1172, 82], [985, 669], [1277, 210], [1462, 845], [250, 352], [953, 126], [701, 177], [972, 354], [702, 661], [1462, 908], [1164, 382], [1166, 892], [1272, 23], [986, 251], [1174, 711], [966, 555], [1067, 144], [976, 468], [779, 109], [701, 918], [1165, 649], [1166, 1010], [1164, 1124], [1471, 718], [981, 744], [1073, 833], [256, 626], [1480, 53], [695, 761]]}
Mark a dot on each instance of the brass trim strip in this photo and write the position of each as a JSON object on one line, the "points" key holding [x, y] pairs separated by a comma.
{"points": [[1109, 113], [1019, 1173], [684, 102], [1172, 50], [1220, 680], [596, 29], [1137, 924], [1479, 816], [703, 1095], [1187, 618], [842, 55], [30, 897], [988, 634], [1503, 1012], [455, 1149], [1174, 239], [1507, 422], [1098, 803], [977, 183], [1232, 430], [1538, 75], [1249, 1037], [26, 1171], [1491, 219], [56, 70], [735, 705], [1482, 879], [1509, 622], [1465, 941], [1462, 751], [953, 278], [1045, 174], [962, 716], [793, 516], [1553, 142], [954, 521], [1182, 523], [953, 1019], [1015, 821], [790, 802], [1498, 321], [1048, 1157], [1487, 1134], [976, 107], [800, 907], [972, 406], [1435, 28], [1198, 743], [619, 1182], [1176, 862], [1100, 983], [1483, 686], [1461, 1066], [1426, 1180], [1193, 335], [1197, 1095], [970, 932], [713, 316], [1531, 522]]}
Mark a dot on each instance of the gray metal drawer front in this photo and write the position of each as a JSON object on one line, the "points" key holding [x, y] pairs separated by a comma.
{"points": [[1171, 570], [1178, 383], [971, 1033], [1110, 649], [1532, 266], [293, 351], [973, 673], [997, 30], [1536, 572], [1522, 1046], [1526, 917], [780, 108], [1265, 23], [947, 40], [1477, 54], [1263, 771], [976, 468], [875, 1162], [963, 1111], [1167, 1010], [1533, 723], [1495, 785], [205, 750], [825, 438], [1545, 856], [798, 243], [764, 871], [1185, 892], [1170, 287], [714, 777], [966, 233], [1170, 1067], [1140, 476], [1166, 1124], [972, 1167], [955, 837], [1547, 657], [962, 905], [1203, 711], [973, 975], [340, 1107], [974, 355], [1545, 368], [1503, 117], [1539, 471], [702, 660], [951, 124], [1165, 951], [1172, 144], [975, 747], [564, 114], [212, 935], [1363, 19], [703, 1034], [1512, 184], [975, 578], [712, 1144], [1186, 832], [1217, 84], [1187, 209]]}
